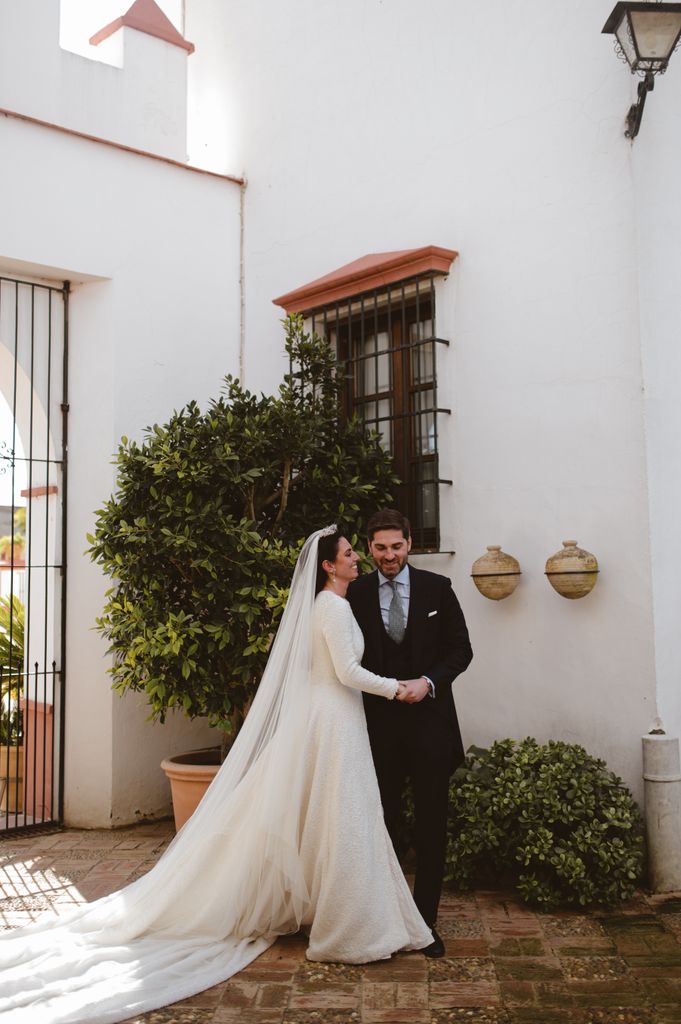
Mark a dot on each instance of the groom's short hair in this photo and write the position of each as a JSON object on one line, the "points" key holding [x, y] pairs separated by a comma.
{"points": [[388, 519]]}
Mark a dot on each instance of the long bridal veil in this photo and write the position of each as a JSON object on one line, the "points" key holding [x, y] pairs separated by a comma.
{"points": [[229, 883]]}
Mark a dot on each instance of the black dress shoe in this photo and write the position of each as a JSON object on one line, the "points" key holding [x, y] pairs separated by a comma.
{"points": [[436, 949]]}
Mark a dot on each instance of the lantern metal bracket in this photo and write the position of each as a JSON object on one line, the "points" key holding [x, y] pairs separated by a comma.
{"points": [[635, 113]]}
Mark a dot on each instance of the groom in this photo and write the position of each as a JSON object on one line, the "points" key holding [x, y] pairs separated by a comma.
{"points": [[413, 629]]}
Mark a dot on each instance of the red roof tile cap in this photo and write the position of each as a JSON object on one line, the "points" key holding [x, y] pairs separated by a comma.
{"points": [[146, 16], [378, 269]]}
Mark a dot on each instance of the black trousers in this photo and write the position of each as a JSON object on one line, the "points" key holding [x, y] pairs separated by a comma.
{"points": [[398, 756]]}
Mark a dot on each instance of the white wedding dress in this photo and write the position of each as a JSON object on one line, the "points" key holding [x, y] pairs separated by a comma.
{"points": [[360, 904], [290, 834]]}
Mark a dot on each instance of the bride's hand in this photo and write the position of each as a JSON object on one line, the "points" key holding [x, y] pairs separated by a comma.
{"points": [[411, 691]]}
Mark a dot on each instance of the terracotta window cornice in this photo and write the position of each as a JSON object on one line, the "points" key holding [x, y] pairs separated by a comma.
{"points": [[375, 270]]}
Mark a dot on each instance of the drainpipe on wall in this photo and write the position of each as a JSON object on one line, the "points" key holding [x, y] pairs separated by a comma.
{"points": [[242, 286], [662, 787]]}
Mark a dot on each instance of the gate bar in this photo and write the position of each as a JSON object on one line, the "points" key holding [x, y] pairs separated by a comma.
{"points": [[65, 448]]}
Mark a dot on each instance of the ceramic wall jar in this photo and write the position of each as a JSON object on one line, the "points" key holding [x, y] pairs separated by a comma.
{"points": [[496, 574], [572, 572]]}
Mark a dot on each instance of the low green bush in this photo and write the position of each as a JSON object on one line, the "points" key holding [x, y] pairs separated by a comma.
{"points": [[551, 819]]}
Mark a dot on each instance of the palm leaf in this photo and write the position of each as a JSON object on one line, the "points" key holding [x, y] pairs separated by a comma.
{"points": [[11, 642]]}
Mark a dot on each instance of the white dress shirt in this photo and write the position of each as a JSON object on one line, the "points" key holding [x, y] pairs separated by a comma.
{"points": [[385, 596]]}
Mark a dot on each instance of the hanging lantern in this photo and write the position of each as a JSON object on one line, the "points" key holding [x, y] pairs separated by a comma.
{"points": [[646, 35], [572, 572], [496, 574]]}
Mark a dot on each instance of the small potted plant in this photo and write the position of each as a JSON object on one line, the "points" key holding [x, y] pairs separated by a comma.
{"points": [[13, 545], [201, 535]]}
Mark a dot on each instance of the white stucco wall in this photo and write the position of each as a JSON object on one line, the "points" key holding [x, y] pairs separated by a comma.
{"points": [[141, 102], [152, 251], [497, 130]]}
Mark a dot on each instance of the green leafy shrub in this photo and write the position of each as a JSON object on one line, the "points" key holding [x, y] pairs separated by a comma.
{"points": [[11, 639], [551, 818], [11, 667], [202, 533]]}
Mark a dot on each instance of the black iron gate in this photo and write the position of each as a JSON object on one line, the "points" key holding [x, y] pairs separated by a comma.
{"points": [[33, 491]]}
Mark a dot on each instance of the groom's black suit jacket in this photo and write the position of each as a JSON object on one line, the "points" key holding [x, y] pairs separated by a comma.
{"points": [[438, 647]]}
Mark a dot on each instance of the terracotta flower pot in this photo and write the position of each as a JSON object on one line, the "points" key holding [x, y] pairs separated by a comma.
{"points": [[190, 776], [12, 774]]}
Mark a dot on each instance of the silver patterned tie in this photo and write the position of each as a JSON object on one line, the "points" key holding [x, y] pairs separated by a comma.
{"points": [[396, 623]]}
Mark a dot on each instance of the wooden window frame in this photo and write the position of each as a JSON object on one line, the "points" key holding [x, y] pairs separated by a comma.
{"points": [[393, 310]]}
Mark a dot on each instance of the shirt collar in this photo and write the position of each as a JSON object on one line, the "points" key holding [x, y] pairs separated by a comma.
{"points": [[402, 577]]}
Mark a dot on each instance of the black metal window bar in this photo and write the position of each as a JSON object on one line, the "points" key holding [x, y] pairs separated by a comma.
{"points": [[34, 384], [386, 342]]}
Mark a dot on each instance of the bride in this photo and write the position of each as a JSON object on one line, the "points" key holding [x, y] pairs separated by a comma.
{"points": [[289, 835]]}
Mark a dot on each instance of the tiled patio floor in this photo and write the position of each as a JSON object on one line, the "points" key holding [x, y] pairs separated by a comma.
{"points": [[504, 964]]}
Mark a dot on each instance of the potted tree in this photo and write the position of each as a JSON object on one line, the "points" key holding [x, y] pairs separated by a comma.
{"points": [[13, 545], [201, 536]]}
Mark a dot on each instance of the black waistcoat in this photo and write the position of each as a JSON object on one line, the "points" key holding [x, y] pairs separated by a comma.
{"points": [[397, 657]]}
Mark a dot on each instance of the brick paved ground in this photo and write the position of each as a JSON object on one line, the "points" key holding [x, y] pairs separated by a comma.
{"points": [[504, 964]]}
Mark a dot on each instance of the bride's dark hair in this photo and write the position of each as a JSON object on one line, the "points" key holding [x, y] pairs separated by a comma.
{"points": [[327, 550]]}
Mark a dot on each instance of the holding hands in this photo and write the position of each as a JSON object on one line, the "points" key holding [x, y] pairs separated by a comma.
{"points": [[411, 691]]}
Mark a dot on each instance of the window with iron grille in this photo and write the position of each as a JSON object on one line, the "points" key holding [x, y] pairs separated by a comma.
{"points": [[386, 343]]}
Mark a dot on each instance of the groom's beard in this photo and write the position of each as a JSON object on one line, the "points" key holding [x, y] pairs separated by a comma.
{"points": [[393, 566]]}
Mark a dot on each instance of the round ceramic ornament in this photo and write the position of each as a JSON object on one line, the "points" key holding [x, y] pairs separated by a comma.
{"points": [[573, 571], [496, 574]]}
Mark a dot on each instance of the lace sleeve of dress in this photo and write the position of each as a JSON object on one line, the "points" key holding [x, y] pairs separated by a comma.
{"points": [[336, 623]]}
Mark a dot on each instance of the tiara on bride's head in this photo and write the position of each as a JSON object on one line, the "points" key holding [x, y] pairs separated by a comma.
{"points": [[328, 530]]}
